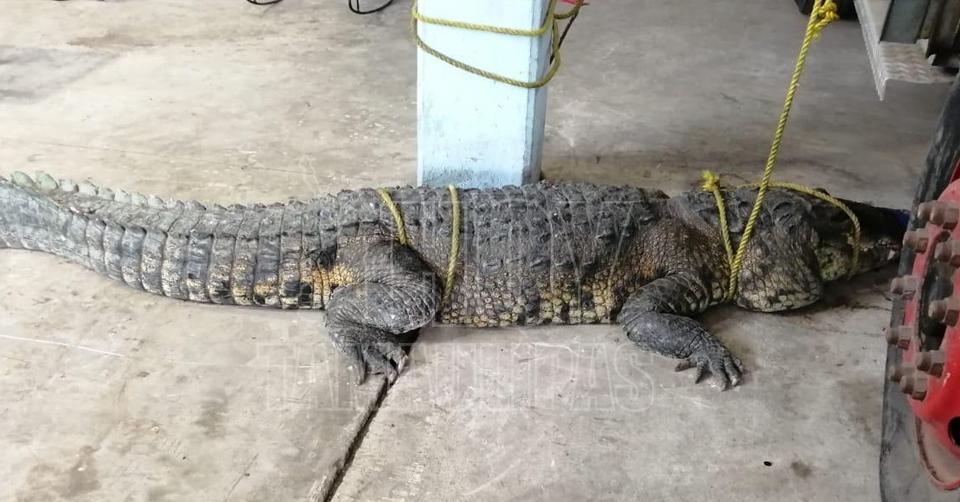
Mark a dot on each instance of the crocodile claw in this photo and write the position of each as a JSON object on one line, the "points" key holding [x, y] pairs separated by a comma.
{"points": [[378, 358], [713, 358]]}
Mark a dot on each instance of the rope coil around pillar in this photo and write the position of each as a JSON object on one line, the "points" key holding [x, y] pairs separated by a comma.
{"points": [[550, 23]]}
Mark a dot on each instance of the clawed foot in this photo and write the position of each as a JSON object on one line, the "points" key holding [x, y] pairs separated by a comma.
{"points": [[685, 339], [384, 357], [710, 355]]}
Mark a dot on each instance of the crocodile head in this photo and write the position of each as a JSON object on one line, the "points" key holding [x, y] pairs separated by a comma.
{"points": [[881, 235]]}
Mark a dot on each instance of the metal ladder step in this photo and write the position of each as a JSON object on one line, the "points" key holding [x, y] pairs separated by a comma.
{"points": [[893, 61]]}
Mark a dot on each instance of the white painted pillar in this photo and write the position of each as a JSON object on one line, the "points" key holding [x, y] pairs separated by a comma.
{"points": [[472, 131]]}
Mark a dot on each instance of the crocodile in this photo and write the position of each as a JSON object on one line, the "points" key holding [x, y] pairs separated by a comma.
{"points": [[567, 253]]}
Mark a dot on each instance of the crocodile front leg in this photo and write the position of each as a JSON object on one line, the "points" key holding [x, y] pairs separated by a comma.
{"points": [[656, 319], [394, 292]]}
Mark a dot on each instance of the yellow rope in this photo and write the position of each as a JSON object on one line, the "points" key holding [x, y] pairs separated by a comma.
{"points": [[533, 32], [454, 233], [549, 23], [454, 243], [711, 183], [397, 217], [822, 14], [796, 187]]}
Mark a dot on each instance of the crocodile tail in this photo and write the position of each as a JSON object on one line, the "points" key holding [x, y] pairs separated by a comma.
{"points": [[28, 219], [242, 254]]}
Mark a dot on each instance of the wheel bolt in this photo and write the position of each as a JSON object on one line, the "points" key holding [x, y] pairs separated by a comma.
{"points": [[946, 311], [900, 373], [917, 240], [931, 362], [915, 386], [924, 210], [945, 215], [948, 252], [905, 286], [900, 336]]}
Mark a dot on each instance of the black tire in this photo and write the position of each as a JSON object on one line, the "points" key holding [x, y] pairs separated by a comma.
{"points": [[902, 477], [844, 7]]}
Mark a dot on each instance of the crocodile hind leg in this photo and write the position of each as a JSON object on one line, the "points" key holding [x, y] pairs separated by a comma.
{"points": [[656, 319], [392, 292]]}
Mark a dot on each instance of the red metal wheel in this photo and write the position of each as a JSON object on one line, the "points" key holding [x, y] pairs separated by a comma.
{"points": [[929, 335], [919, 459]]}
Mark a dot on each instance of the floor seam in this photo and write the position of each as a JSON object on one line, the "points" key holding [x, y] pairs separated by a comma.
{"points": [[357, 442]]}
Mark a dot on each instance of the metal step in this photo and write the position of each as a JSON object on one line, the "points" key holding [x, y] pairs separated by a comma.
{"points": [[893, 61]]}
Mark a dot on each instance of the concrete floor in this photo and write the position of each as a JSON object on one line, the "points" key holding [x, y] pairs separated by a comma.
{"points": [[110, 395]]}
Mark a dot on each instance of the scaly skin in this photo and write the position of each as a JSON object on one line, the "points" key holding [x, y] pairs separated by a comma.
{"points": [[535, 254]]}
